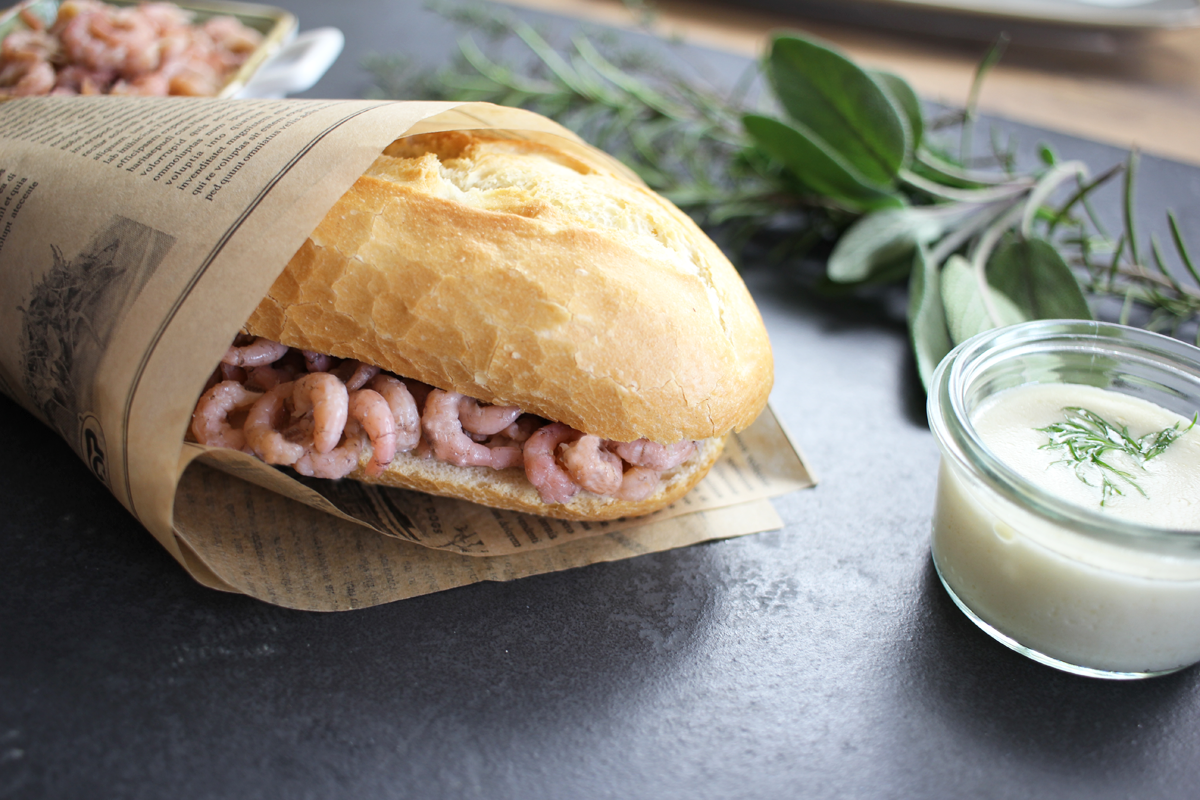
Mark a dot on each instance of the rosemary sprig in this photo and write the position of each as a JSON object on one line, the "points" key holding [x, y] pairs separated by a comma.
{"points": [[1086, 438], [683, 139]]}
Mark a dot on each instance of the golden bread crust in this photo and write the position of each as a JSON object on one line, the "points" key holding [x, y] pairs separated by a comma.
{"points": [[512, 273]]}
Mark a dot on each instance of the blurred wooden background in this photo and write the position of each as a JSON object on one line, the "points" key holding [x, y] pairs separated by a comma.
{"points": [[1129, 90]]}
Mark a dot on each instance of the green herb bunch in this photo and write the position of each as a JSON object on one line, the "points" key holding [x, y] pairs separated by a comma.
{"points": [[840, 155]]}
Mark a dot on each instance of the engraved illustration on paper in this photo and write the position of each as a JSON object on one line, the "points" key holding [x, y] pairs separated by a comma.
{"points": [[69, 318]]}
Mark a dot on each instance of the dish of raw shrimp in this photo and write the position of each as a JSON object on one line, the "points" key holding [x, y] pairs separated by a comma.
{"points": [[152, 48]]}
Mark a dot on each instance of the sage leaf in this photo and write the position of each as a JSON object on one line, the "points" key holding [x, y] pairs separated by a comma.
{"points": [[906, 100], [878, 240], [843, 105], [1034, 277], [972, 305], [817, 167], [926, 317]]}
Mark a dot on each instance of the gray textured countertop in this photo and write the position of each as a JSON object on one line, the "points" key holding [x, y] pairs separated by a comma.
{"points": [[822, 660]]}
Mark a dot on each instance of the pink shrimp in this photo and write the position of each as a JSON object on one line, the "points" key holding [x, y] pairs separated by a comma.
{"points": [[419, 391], [637, 484], [225, 372], [520, 431], [256, 354], [132, 34], [194, 80], [450, 444], [210, 420], [232, 36], [173, 45], [153, 84], [591, 466], [231, 373], [24, 78], [404, 410], [99, 40], [267, 377], [165, 17], [485, 420], [505, 456], [370, 410], [355, 374], [340, 461], [73, 79], [31, 45], [645, 453], [507, 445], [553, 483], [261, 435], [317, 362], [326, 398]]}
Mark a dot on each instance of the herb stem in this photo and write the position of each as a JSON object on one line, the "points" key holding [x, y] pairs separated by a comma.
{"points": [[1080, 196], [936, 163], [1045, 187], [982, 250], [1002, 192], [985, 66], [1184, 255], [1143, 275], [960, 236], [1127, 207]]}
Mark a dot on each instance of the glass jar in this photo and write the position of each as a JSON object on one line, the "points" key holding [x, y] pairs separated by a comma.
{"points": [[1069, 586]]}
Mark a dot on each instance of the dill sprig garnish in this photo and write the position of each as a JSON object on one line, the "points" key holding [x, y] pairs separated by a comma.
{"points": [[1087, 437]]}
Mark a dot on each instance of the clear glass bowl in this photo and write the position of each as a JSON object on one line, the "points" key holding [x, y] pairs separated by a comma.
{"points": [[1068, 586]]}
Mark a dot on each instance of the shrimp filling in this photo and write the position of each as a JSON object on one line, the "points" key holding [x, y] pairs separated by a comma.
{"points": [[317, 414]]}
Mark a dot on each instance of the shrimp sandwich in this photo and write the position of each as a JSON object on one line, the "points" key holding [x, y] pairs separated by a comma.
{"points": [[495, 320]]}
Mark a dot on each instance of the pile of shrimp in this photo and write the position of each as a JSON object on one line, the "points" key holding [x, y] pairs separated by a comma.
{"points": [[317, 414], [149, 49]]}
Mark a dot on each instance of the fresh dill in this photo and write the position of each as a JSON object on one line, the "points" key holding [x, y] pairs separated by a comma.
{"points": [[1087, 438]]}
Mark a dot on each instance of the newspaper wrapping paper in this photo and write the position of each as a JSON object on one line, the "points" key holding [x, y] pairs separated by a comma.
{"points": [[136, 237]]}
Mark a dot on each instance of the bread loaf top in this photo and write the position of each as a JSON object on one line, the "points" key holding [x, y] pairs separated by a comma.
{"points": [[513, 273]]}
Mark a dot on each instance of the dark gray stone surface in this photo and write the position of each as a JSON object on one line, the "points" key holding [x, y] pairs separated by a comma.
{"points": [[820, 661]]}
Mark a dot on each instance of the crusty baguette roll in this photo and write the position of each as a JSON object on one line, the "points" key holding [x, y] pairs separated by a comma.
{"points": [[515, 274]]}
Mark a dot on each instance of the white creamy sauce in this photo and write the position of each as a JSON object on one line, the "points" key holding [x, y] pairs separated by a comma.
{"points": [[1074, 598], [1008, 424]]}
